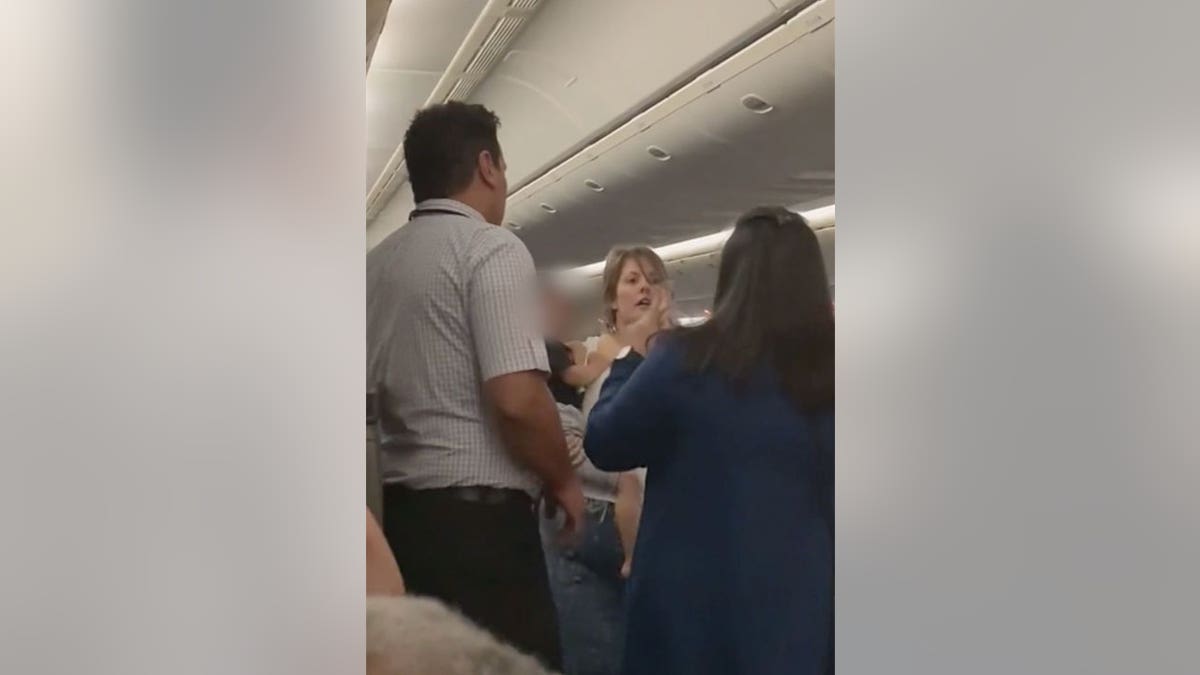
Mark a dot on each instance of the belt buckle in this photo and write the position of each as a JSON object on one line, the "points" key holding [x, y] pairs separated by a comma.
{"points": [[478, 495]]}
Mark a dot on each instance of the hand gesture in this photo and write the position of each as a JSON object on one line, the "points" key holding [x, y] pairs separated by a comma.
{"points": [[666, 321], [655, 319]]}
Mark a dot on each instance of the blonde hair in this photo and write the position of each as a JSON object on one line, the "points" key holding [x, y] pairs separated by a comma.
{"points": [[652, 266]]}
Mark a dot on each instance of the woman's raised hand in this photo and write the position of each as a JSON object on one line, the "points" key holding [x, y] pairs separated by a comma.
{"points": [[655, 319], [666, 321]]}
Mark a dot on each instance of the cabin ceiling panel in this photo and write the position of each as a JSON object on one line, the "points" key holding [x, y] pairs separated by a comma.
{"points": [[724, 159], [424, 34], [418, 42], [581, 65]]}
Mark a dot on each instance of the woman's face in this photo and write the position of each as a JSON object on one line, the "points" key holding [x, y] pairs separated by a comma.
{"points": [[633, 293]]}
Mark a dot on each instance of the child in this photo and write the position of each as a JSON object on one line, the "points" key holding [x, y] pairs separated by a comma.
{"points": [[570, 368]]}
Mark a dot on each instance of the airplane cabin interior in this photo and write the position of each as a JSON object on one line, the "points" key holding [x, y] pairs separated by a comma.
{"points": [[622, 122]]}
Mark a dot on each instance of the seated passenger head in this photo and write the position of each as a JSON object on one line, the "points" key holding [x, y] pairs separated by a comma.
{"points": [[629, 274], [451, 151], [409, 635], [772, 309]]}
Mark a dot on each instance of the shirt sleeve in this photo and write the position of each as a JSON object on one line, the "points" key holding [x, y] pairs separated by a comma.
{"points": [[502, 305]]}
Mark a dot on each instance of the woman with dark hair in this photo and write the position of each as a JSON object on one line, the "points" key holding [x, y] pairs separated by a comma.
{"points": [[733, 420]]}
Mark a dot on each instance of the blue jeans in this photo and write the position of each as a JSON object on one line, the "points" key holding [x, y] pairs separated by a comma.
{"points": [[588, 592]]}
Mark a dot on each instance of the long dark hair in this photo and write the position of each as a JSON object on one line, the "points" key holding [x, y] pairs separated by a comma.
{"points": [[772, 310]]}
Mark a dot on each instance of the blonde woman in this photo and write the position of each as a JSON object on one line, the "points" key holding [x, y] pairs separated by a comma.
{"points": [[588, 577]]}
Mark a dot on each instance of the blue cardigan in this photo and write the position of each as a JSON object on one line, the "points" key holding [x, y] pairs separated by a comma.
{"points": [[733, 567]]}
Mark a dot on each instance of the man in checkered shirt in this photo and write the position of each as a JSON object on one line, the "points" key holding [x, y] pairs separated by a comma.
{"points": [[471, 435]]}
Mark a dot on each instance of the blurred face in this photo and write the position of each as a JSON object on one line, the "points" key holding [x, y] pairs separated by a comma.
{"points": [[557, 312], [633, 293]]}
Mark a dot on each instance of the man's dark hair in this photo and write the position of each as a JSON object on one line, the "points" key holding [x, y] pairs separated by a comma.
{"points": [[442, 146]]}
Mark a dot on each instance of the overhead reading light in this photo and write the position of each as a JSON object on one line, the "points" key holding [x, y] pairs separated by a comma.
{"points": [[593, 185], [756, 104], [514, 226], [548, 209], [658, 153]]}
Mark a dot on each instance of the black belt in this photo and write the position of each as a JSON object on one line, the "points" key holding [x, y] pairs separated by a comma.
{"points": [[476, 494]]}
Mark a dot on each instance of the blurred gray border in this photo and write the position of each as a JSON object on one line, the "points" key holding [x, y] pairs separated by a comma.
{"points": [[1019, 299]]}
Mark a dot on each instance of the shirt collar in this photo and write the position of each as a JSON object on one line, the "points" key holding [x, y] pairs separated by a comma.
{"points": [[451, 205]]}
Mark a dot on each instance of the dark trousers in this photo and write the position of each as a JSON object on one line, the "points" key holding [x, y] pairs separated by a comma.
{"points": [[484, 559]]}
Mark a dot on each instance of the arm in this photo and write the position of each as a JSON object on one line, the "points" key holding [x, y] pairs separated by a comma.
{"points": [[573, 423], [528, 423], [630, 425], [822, 425], [591, 365], [584, 374], [512, 361], [628, 512], [383, 575]]}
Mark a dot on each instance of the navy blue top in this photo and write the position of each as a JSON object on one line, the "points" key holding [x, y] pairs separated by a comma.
{"points": [[733, 566]]}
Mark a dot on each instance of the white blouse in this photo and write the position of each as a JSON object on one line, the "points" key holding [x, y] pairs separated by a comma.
{"points": [[590, 395]]}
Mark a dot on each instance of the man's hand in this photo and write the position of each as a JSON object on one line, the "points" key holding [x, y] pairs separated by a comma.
{"points": [[567, 496]]}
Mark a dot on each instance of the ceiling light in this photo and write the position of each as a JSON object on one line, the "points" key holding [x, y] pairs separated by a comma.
{"points": [[755, 104], [658, 153], [820, 218], [514, 226], [593, 185], [548, 209]]}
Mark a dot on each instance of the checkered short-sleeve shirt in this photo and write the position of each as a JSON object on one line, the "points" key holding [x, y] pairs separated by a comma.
{"points": [[451, 303]]}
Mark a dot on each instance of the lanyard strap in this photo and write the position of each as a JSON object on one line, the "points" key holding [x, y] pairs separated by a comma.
{"points": [[425, 212]]}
